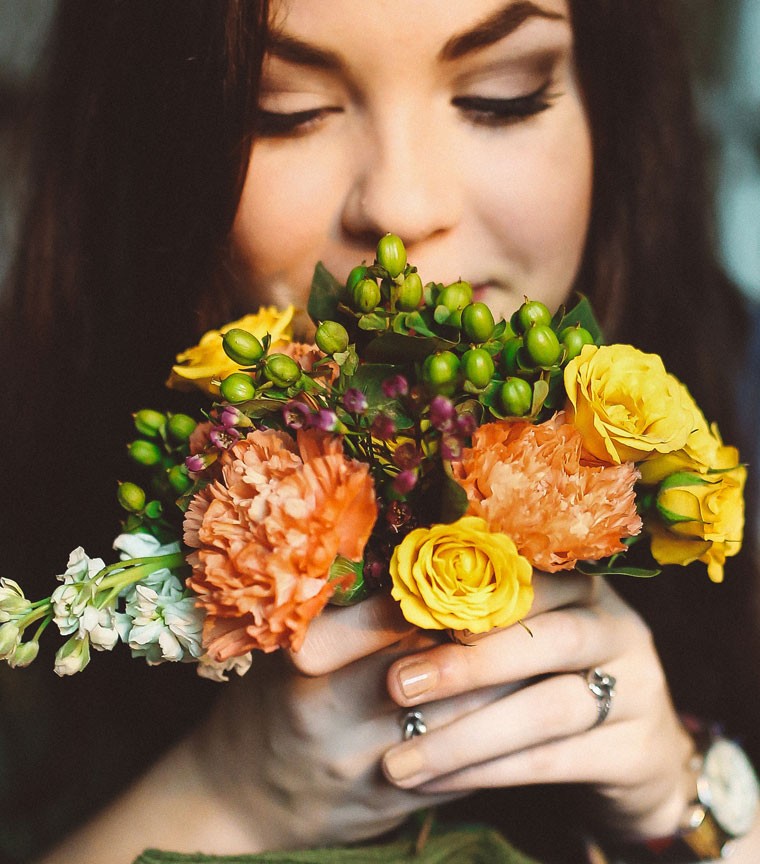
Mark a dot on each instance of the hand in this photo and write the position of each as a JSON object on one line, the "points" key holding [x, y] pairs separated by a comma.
{"points": [[294, 748], [540, 730]]}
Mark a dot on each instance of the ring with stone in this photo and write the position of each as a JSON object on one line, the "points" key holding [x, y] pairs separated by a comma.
{"points": [[413, 724], [602, 687]]}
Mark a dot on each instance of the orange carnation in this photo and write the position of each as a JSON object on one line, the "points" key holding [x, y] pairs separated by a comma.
{"points": [[267, 533], [535, 483]]}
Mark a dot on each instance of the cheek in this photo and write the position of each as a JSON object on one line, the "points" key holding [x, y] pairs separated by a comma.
{"points": [[538, 201], [284, 220]]}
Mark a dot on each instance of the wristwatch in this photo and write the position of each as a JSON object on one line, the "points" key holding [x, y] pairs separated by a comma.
{"points": [[723, 809]]}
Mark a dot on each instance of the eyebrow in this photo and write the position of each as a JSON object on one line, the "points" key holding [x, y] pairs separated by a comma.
{"points": [[293, 50], [494, 28], [489, 31]]}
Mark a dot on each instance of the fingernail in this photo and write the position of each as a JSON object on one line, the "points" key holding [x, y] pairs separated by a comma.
{"points": [[402, 763], [417, 678]]}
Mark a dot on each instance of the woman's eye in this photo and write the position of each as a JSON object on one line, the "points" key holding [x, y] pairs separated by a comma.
{"points": [[487, 111], [274, 124]]}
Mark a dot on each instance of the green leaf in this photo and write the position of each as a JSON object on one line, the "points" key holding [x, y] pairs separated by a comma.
{"points": [[325, 294], [582, 314], [453, 499], [398, 348], [600, 568], [441, 314], [540, 392], [373, 321], [416, 321]]}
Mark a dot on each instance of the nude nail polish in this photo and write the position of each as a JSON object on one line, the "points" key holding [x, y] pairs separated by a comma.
{"points": [[402, 763], [417, 678]]}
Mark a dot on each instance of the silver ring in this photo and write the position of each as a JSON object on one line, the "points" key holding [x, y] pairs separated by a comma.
{"points": [[413, 724], [602, 687]]}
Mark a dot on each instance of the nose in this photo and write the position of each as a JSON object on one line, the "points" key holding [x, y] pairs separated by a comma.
{"points": [[403, 181]]}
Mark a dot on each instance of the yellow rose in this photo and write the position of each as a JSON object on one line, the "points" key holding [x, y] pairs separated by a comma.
{"points": [[701, 519], [703, 451], [197, 366], [461, 576], [626, 405]]}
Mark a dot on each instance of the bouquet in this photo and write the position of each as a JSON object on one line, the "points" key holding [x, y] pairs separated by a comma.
{"points": [[418, 447]]}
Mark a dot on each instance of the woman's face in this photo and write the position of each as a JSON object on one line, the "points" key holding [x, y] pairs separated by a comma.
{"points": [[457, 126]]}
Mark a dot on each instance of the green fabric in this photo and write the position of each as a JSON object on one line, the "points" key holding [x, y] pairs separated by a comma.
{"points": [[463, 845]]}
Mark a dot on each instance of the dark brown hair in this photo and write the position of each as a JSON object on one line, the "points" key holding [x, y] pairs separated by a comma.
{"points": [[135, 175]]}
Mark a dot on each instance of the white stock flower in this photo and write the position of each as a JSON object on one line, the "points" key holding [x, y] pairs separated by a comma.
{"points": [[74, 608], [10, 636], [13, 604], [142, 545], [161, 623], [217, 671], [72, 656]]}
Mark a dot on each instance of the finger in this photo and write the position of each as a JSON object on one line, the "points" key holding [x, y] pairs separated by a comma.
{"points": [[567, 639], [557, 708], [551, 591], [341, 635]]}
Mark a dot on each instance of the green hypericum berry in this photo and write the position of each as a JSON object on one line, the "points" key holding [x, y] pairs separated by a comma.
{"points": [[509, 354], [531, 312], [281, 370], [149, 422], [477, 366], [131, 497], [144, 452], [242, 347], [574, 338], [542, 345], [237, 387], [441, 369], [366, 295], [154, 509], [516, 397], [331, 337], [181, 427], [455, 296], [354, 277], [391, 254], [178, 479], [477, 322], [409, 293]]}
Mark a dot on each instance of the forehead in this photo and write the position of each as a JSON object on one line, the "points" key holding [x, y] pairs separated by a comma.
{"points": [[408, 27]]}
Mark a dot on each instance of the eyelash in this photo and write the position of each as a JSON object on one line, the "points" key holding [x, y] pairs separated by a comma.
{"points": [[485, 111], [482, 110]]}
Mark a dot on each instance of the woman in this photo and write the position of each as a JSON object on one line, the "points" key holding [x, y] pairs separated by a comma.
{"points": [[541, 146]]}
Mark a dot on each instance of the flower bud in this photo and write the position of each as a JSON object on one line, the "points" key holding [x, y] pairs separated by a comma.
{"points": [[233, 418], [296, 414], [178, 479], [72, 656], [198, 462], [395, 386], [391, 254], [181, 427], [455, 296], [10, 635], [25, 654], [679, 500], [383, 427], [478, 367], [331, 337], [242, 347], [404, 482], [144, 452], [237, 387], [409, 294], [477, 322], [149, 422], [441, 413], [154, 509], [13, 604], [131, 497], [355, 401], [366, 295], [354, 277], [281, 370]]}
